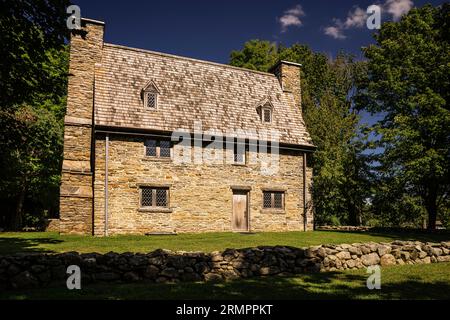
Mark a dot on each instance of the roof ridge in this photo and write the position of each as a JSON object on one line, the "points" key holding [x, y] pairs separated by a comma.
{"points": [[169, 55]]}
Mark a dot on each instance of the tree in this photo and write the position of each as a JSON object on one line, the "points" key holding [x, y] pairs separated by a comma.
{"points": [[33, 82], [339, 184], [256, 55], [31, 163], [27, 30], [408, 83]]}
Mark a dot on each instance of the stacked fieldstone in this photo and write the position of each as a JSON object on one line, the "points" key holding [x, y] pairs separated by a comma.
{"points": [[344, 228], [35, 270]]}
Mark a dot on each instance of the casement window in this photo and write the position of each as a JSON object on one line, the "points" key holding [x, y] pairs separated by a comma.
{"points": [[149, 95], [154, 197], [265, 111], [158, 148], [266, 115], [150, 99], [239, 153], [273, 199]]}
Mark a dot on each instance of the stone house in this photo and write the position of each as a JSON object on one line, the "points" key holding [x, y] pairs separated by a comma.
{"points": [[137, 146]]}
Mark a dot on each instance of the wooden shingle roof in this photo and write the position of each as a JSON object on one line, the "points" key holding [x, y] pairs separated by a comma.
{"points": [[220, 96]]}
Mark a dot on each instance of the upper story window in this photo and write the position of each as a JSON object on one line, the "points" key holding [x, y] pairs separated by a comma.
{"points": [[239, 153], [150, 100], [265, 111], [267, 115], [150, 95], [158, 148]]}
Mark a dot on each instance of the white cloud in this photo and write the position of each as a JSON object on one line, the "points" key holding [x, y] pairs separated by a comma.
{"points": [[356, 19], [296, 11], [397, 8], [291, 17], [335, 32]]}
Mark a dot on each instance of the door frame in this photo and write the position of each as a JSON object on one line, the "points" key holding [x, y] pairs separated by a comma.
{"points": [[246, 190]]}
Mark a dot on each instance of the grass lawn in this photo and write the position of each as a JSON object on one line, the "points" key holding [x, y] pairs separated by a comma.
{"points": [[53, 242], [430, 281]]}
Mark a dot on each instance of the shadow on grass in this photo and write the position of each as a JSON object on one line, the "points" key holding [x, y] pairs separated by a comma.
{"points": [[403, 236], [11, 245], [319, 286]]}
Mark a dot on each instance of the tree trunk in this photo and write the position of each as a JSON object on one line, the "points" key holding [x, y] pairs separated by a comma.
{"points": [[432, 214], [353, 216], [431, 206], [353, 213], [16, 221]]}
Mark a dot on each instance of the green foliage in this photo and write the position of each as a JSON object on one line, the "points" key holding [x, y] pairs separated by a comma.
{"points": [[31, 149], [408, 82], [444, 213], [33, 82], [340, 169], [256, 55], [334, 221], [27, 30]]}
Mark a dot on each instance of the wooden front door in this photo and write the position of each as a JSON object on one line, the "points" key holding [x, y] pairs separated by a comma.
{"points": [[240, 211]]}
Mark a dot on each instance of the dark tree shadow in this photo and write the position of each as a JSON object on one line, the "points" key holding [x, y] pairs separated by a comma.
{"points": [[402, 236], [317, 286], [11, 245]]}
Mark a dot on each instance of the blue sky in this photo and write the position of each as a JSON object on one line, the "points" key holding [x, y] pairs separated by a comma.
{"points": [[210, 30]]}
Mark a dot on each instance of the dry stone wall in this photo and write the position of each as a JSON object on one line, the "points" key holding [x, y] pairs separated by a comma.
{"points": [[37, 270]]}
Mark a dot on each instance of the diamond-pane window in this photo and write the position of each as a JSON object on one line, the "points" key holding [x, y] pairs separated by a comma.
{"points": [[157, 148], [154, 197], [146, 197], [267, 115], [164, 149], [273, 199], [239, 153], [238, 158], [161, 197], [267, 200], [150, 148], [278, 200], [151, 100]]}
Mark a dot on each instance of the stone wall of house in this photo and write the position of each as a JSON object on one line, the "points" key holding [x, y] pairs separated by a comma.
{"points": [[52, 225], [76, 193], [200, 194], [36, 270]]}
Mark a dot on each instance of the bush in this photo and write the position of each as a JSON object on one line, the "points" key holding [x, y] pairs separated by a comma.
{"points": [[334, 221]]}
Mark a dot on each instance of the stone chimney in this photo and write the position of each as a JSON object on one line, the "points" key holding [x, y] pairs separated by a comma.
{"points": [[288, 73], [76, 193]]}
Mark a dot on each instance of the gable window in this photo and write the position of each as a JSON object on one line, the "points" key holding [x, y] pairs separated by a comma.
{"points": [[267, 115], [158, 148], [149, 95], [265, 111], [273, 199], [154, 197], [150, 100]]}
